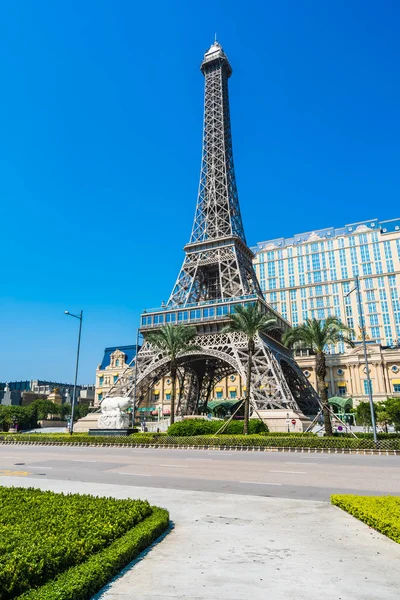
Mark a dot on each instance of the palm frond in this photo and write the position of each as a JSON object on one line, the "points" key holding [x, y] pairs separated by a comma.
{"points": [[250, 320], [316, 334]]}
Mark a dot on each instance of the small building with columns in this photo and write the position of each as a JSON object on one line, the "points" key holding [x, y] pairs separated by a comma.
{"points": [[346, 373]]}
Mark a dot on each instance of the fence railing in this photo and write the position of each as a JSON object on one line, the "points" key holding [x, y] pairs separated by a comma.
{"points": [[257, 442]]}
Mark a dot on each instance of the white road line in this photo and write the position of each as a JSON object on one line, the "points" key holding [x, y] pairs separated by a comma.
{"points": [[302, 463], [77, 460], [293, 472], [260, 483], [134, 474], [42, 468], [178, 466]]}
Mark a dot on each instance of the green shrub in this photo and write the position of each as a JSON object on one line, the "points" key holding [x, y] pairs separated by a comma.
{"points": [[84, 580], [272, 440], [43, 533], [380, 512], [189, 427]]}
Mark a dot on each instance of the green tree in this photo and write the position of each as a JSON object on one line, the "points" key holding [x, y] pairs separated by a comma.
{"points": [[392, 408], [316, 335], [382, 416], [363, 414], [173, 340], [81, 410], [43, 407], [251, 321]]}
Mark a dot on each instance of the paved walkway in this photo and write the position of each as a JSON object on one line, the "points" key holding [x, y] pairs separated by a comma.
{"points": [[250, 548]]}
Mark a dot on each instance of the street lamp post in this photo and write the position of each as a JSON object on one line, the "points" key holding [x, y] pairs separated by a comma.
{"points": [[80, 317], [371, 402]]}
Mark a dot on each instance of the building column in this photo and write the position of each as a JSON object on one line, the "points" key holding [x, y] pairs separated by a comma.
{"points": [[332, 381], [379, 379], [351, 386], [386, 378]]}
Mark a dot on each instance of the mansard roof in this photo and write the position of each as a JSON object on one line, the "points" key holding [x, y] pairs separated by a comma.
{"points": [[129, 351]]}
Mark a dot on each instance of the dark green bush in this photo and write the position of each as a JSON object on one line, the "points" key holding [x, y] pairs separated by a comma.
{"points": [[42, 533], [204, 427], [84, 580]]}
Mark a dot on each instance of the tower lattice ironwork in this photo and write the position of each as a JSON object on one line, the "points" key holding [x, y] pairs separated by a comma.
{"points": [[217, 274]]}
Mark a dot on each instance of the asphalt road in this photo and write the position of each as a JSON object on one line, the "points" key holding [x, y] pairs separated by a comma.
{"points": [[269, 474]]}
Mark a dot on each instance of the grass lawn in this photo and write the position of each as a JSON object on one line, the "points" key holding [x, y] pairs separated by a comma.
{"points": [[380, 512], [67, 547]]}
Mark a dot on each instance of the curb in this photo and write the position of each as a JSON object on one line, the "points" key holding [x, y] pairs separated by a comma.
{"points": [[301, 450]]}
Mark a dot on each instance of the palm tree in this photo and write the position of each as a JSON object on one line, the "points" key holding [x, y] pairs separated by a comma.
{"points": [[316, 335], [251, 321], [172, 340]]}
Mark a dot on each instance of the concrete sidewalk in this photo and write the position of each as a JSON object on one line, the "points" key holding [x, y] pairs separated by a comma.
{"points": [[250, 547]]}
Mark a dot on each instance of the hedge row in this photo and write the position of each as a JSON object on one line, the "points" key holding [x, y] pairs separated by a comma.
{"points": [[370, 436], [380, 512], [84, 580], [205, 427], [43, 533], [265, 441]]}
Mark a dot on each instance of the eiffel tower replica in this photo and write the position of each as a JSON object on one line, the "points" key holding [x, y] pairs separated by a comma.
{"points": [[217, 274]]}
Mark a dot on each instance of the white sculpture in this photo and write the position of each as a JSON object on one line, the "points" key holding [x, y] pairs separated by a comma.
{"points": [[113, 413]]}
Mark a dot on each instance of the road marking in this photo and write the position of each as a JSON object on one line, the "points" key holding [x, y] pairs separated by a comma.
{"points": [[134, 474], [292, 472], [178, 466], [198, 458], [260, 483], [77, 460], [42, 467], [220, 452], [9, 473], [302, 463]]}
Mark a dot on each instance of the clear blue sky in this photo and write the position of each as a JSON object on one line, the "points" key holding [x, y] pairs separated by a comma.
{"points": [[100, 147]]}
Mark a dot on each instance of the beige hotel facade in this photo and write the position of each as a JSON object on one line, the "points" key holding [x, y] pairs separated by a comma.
{"points": [[309, 275]]}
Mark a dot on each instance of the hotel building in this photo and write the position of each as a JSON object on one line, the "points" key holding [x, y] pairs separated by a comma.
{"points": [[310, 275]]}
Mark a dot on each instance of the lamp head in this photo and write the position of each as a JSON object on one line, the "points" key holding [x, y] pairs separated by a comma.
{"points": [[66, 312]]}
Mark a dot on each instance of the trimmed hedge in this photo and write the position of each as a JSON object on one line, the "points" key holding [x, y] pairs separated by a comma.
{"points": [[84, 580], [222, 441], [370, 436], [43, 534], [205, 427], [380, 512]]}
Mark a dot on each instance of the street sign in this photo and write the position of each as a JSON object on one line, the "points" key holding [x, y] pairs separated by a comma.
{"points": [[340, 428], [293, 421]]}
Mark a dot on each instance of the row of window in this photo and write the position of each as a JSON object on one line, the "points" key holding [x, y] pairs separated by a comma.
{"points": [[364, 241], [186, 315]]}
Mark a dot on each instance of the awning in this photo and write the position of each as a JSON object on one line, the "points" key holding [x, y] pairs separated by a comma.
{"points": [[341, 402], [232, 388], [223, 403], [166, 411], [168, 391], [156, 392], [341, 384], [396, 381], [244, 388], [219, 389]]}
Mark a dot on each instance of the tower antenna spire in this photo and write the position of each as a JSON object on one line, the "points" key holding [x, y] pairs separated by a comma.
{"points": [[215, 38]]}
